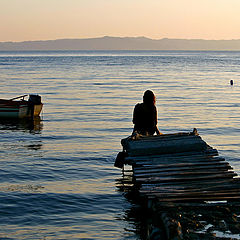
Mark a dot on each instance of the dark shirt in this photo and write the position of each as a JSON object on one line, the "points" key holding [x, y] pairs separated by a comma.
{"points": [[145, 119]]}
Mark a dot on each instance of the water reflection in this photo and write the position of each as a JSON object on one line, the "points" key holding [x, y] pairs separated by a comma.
{"points": [[138, 216], [33, 126], [34, 146]]}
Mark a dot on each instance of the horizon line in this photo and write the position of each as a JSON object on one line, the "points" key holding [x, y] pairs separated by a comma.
{"points": [[106, 36]]}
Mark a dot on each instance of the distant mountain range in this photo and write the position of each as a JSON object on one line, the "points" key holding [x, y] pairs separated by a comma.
{"points": [[122, 43]]}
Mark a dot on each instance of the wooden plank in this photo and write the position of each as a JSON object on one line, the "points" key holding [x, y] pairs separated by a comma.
{"points": [[169, 166], [167, 136], [186, 194], [195, 154], [227, 182], [162, 147], [208, 198], [193, 183], [180, 179], [175, 159], [199, 195], [172, 162], [182, 168], [216, 162], [158, 161], [159, 139], [183, 174], [225, 188], [179, 158], [208, 204]]}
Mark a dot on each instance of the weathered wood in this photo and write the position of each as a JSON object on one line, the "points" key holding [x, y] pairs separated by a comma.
{"points": [[178, 158], [170, 165], [183, 174], [182, 169], [164, 191], [216, 162], [220, 197], [191, 155], [174, 161], [197, 195], [179, 167], [184, 161], [195, 204], [158, 138], [180, 179], [165, 136], [205, 185], [193, 184], [214, 168], [192, 143]]}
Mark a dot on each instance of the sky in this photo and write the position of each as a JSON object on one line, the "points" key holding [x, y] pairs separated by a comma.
{"points": [[24, 20]]}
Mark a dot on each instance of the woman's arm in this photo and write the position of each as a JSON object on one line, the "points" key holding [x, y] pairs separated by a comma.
{"points": [[156, 121]]}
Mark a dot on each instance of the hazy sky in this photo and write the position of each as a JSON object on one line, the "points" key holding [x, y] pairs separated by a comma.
{"points": [[22, 20]]}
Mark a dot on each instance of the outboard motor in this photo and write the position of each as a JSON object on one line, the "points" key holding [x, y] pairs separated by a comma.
{"points": [[33, 100]]}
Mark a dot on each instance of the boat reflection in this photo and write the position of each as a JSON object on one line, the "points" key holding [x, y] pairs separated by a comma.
{"points": [[33, 126]]}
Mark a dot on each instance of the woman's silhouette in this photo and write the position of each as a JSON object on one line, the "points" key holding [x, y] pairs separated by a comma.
{"points": [[145, 115]]}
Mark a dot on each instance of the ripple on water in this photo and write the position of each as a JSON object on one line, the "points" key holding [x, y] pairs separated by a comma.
{"points": [[57, 176]]}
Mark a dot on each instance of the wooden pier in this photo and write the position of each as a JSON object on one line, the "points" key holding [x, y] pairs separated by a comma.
{"points": [[179, 170]]}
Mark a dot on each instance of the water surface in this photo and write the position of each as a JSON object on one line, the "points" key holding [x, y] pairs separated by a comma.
{"points": [[57, 179]]}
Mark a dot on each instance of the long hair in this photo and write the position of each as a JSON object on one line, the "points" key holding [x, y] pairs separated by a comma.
{"points": [[149, 97]]}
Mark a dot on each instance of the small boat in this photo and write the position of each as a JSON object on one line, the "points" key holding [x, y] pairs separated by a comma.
{"points": [[18, 107]]}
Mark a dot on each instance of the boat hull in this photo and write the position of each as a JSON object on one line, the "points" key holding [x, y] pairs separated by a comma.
{"points": [[24, 111], [19, 109]]}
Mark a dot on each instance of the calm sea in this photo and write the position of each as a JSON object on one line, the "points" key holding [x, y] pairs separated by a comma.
{"points": [[57, 179]]}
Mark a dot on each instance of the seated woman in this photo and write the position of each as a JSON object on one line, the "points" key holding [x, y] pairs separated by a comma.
{"points": [[145, 115]]}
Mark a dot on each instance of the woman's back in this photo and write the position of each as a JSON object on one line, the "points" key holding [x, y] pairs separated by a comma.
{"points": [[145, 115]]}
